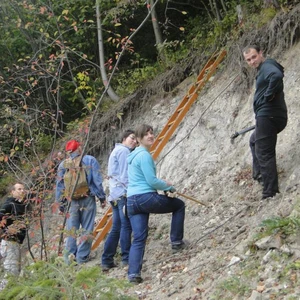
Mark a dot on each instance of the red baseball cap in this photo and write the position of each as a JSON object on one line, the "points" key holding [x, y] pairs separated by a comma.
{"points": [[72, 145]]}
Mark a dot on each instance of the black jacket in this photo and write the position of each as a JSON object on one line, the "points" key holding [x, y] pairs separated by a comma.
{"points": [[13, 212], [269, 96]]}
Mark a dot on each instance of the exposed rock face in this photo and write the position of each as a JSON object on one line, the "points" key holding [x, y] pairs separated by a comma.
{"points": [[202, 162]]}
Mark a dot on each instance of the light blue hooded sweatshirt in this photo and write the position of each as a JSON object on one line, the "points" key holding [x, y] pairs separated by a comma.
{"points": [[142, 174]]}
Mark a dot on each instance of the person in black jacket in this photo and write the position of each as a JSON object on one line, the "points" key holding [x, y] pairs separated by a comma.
{"points": [[271, 118], [12, 223]]}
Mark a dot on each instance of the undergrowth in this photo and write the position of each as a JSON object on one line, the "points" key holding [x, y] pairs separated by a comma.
{"points": [[44, 280], [279, 226]]}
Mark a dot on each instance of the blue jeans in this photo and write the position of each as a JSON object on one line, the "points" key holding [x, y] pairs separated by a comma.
{"points": [[82, 212], [139, 207], [121, 230]]}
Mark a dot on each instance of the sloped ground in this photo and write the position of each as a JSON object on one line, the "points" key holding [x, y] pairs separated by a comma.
{"points": [[202, 162], [206, 165]]}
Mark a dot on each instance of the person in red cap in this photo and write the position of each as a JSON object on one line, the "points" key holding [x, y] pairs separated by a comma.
{"points": [[82, 211], [72, 145]]}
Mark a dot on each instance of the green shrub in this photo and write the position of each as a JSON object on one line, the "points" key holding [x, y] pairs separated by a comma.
{"points": [[278, 225], [128, 81], [44, 280], [5, 181]]}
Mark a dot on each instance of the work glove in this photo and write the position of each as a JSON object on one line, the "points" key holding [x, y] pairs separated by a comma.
{"points": [[172, 189], [63, 205], [171, 193], [102, 202]]}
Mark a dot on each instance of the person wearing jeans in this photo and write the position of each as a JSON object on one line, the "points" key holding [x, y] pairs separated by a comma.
{"points": [[118, 182], [143, 199], [82, 211], [121, 231], [271, 118]]}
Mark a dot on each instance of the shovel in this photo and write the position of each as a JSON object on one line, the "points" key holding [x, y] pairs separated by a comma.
{"points": [[193, 199], [236, 134]]}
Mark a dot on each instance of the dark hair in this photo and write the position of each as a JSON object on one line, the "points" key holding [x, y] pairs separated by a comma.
{"points": [[142, 130], [255, 47], [124, 135]]}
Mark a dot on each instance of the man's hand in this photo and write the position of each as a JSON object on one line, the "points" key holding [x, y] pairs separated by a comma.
{"points": [[63, 205], [102, 202]]}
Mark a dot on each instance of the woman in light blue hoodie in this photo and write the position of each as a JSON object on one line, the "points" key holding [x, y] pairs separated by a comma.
{"points": [[118, 181], [143, 199]]}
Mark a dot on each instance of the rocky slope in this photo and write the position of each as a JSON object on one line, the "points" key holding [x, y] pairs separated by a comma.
{"points": [[222, 260]]}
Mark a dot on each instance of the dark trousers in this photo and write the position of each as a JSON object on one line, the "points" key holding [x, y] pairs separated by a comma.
{"points": [[263, 147]]}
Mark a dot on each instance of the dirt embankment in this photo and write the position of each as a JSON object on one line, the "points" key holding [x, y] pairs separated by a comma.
{"points": [[202, 162]]}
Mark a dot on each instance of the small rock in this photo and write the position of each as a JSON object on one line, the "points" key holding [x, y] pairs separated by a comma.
{"points": [[234, 260], [255, 296], [285, 249], [266, 258], [268, 242]]}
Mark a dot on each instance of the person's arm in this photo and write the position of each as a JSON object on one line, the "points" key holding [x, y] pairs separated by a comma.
{"points": [[60, 182], [148, 169], [96, 179], [5, 212], [274, 77], [123, 167]]}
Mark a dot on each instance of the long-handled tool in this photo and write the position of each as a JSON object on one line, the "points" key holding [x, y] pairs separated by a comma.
{"points": [[193, 199], [236, 134]]}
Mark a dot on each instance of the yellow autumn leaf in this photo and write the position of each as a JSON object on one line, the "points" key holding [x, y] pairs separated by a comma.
{"points": [[184, 12], [118, 24], [181, 28]]}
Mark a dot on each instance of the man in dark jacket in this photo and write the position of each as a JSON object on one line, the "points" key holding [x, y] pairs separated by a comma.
{"points": [[271, 118], [12, 223]]}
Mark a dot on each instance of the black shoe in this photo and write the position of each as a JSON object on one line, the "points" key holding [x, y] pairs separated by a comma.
{"points": [[267, 197], [136, 280], [178, 247], [108, 267]]}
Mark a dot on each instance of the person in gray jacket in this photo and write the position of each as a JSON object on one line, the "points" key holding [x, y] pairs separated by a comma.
{"points": [[118, 182], [271, 118]]}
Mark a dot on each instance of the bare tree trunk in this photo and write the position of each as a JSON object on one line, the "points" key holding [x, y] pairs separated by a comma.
{"points": [[208, 12], [240, 14], [215, 10], [224, 6], [112, 95], [157, 31]]}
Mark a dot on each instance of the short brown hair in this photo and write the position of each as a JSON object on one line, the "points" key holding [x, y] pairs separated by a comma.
{"points": [[12, 186], [255, 47], [142, 130]]}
